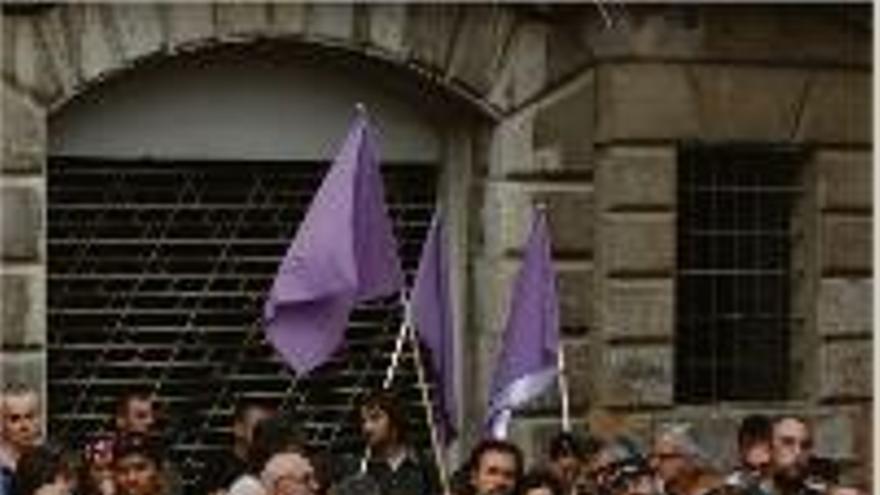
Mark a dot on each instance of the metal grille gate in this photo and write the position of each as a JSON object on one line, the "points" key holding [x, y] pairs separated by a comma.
{"points": [[157, 274]]}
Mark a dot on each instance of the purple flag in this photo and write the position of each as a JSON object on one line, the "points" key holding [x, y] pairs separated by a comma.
{"points": [[527, 363], [344, 252], [432, 312]]}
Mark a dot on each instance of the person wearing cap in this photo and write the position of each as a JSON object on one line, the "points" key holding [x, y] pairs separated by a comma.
{"points": [[681, 466], [138, 465]]}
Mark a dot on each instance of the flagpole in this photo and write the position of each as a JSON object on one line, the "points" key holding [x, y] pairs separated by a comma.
{"points": [[563, 391], [426, 402]]}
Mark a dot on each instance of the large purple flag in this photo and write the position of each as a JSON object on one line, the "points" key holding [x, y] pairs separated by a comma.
{"points": [[527, 363], [432, 312], [344, 252]]}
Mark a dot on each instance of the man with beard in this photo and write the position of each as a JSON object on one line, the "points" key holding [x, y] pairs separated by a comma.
{"points": [[791, 449]]}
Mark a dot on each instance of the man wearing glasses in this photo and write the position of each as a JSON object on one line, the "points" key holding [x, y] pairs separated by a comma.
{"points": [[791, 449]]}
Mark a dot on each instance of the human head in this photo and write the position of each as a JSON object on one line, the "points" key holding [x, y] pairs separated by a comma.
{"points": [[97, 468], [19, 418], [273, 435], [495, 467], [136, 412], [675, 454], [290, 473], [606, 457], [540, 483], [138, 464], [566, 452], [632, 476], [753, 442], [46, 469], [382, 421], [791, 448], [245, 417]]}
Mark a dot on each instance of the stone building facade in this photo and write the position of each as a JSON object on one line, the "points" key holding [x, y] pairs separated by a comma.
{"points": [[579, 108]]}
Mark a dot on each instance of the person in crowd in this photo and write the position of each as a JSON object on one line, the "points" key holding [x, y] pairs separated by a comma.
{"points": [[392, 463], [227, 466], [45, 470], [495, 468], [272, 435], [139, 465], [290, 473], [136, 413], [19, 429], [791, 451], [602, 460], [96, 471], [540, 482], [681, 466], [753, 440], [630, 476], [566, 459]]}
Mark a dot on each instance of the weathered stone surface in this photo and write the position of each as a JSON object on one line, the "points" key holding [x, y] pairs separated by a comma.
{"points": [[23, 311], [638, 308], [508, 216], [21, 217], [24, 59], [638, 243], [96, 55], [53, 29], [26, 368], [636, 177], [834, 434], [387, 26], [638, 376], [652, 31], [429, 28], [845, 306], [24, 133], [838, 109], [580, 370], [749, 103], [576, 296], [761, 33], [524, 68], [565, 123], [328, 20], [845, 369], [846, 243], [242, 19], [189, 23], [479, 43], [140, 29], [646, 101], [845, 179], [289, 18], [568, 51], [511, 146]]}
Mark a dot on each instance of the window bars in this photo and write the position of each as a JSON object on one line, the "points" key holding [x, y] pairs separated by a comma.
{"points": [[734, 273], [157, 275]]}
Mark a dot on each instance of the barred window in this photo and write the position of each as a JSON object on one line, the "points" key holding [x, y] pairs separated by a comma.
{"points": [[734, 311]]}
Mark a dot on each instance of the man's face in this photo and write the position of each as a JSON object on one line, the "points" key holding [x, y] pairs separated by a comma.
{"points": [[756, 455], [290, 474], [19, 420], [566, 469], [243, 429], [791, 449], [376, 427], [495, 473], [138, 416], [136, 475], [667, 460]]}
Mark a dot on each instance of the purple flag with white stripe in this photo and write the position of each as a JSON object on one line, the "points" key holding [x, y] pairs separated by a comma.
{"points": [[527, 363], [432, 312], [344, 252]]}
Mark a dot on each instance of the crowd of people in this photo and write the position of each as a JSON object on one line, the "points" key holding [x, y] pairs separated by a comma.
{"points": [[270, 455]]}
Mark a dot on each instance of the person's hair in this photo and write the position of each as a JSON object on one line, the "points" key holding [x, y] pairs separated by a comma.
{"points": [[539, 478], [246, 404], [494, 445], [754, 428], [789, 417], [682, 436], [41, 465], [148, 446], [140, 393], [273, 435], [387, 402], [566, 444]]}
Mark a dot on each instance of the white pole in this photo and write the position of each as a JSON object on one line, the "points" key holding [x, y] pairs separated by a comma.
{"points": [[563, 390]]}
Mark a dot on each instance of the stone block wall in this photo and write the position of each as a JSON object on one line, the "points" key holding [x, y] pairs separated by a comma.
{"points": [[581, 116]]}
